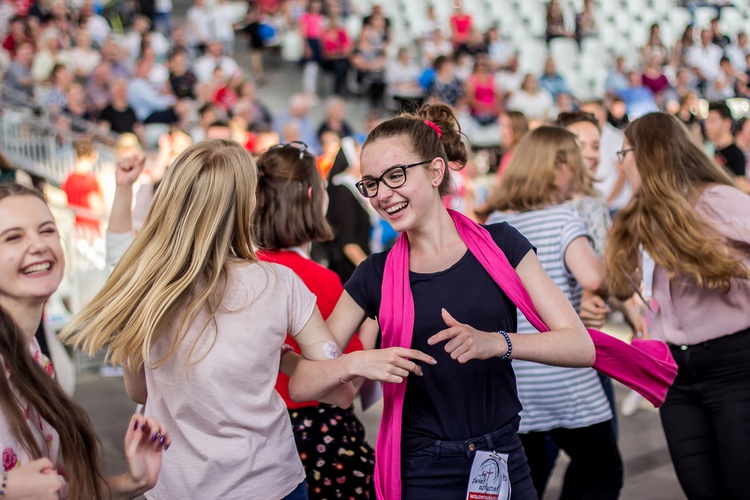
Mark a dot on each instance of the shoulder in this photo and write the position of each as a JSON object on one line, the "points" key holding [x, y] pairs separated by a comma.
{"points": [[724, 199]]}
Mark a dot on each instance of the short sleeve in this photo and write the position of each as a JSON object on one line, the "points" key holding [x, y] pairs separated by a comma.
{"points": [[301, 303], [514, 245], [365, 284], [573, 229]]}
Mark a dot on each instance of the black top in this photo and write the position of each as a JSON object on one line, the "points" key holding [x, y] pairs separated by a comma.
{"points": [[183, 87], [453, 402], [351, 224], [120, 122], [732, 158]]}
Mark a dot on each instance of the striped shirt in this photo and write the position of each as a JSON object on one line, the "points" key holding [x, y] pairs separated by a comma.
{"points": [[554, 397]]}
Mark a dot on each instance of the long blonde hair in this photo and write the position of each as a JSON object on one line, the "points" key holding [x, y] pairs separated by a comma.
{"points": [[199, 221], [661, 220], [529, 180]]}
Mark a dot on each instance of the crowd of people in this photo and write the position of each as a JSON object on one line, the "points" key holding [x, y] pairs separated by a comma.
{"points": [[264, 270]]}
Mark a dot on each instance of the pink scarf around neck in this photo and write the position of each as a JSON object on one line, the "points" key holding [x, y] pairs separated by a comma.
{"points": [[645, 365]]}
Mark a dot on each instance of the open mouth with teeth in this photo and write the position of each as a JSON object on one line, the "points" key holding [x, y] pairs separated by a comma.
{"points": [[397, 209], [37, 268]]}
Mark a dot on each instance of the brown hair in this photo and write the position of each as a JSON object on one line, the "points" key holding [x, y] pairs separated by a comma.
{"points": [[79, 446], [568, 118], [519, 125], [287, 214], [425, 140], [84, 148], [529, 180], [660, 219]]}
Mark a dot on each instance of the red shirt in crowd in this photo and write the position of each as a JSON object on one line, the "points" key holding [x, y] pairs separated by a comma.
{"points": [[78, 187], [326, 286]]}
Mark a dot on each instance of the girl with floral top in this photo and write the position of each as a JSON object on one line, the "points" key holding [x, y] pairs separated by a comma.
{"points": [[49, 449]]}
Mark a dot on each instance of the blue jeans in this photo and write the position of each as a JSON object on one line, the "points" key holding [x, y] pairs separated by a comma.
{"points": [[441, 470], [299, 493]]}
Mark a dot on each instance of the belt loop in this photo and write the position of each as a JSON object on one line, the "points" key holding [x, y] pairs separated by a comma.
{"points": [[490, 443], [436, 455]]}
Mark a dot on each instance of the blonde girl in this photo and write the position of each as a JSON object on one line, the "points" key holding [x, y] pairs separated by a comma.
{"points": [[198, 324]]}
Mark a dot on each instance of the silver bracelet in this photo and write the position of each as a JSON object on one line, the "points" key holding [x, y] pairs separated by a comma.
{"points": [[510, 344]]}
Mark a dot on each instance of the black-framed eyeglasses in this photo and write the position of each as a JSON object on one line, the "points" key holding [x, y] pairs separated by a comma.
{"points": [[394, 177], [621, 154], [293, 144]]}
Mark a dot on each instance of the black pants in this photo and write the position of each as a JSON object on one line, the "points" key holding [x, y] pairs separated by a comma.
{"points": [[340, 70], [706, 417], [595, 469]]}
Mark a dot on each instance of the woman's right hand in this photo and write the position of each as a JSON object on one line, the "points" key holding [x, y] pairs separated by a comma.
{"points": [[128, 169], [393, 364], [36, 480]]}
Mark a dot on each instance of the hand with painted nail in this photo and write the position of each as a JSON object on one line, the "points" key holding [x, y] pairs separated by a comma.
{"points": [[393, 364], [466, 343], [145, 441]]}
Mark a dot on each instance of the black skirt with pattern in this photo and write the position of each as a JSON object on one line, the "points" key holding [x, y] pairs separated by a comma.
{"points": [[338, 461]]}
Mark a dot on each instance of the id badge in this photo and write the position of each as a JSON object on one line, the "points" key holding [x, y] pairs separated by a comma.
{"points": [[489, 479]]}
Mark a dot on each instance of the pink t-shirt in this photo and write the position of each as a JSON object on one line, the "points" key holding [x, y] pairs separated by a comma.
{"points": [[312, 25], [689, 314], [231, 433], [44, 434]]}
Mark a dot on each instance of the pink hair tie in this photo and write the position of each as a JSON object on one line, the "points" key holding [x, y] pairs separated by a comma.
{"points": [[435, 128]]}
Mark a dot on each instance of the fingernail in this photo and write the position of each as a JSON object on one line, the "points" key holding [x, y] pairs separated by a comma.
{"points": [[143, 425], [135, 425], [161, 440], [433, 361], [153, 438], [166, 447]]}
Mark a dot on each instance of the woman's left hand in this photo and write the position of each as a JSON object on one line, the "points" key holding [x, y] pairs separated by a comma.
{"points": [[467, 343], [145, 441]]}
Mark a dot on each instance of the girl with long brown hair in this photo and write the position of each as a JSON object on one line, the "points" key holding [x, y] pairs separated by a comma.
{"points": [[48, 443], [691, 219]]}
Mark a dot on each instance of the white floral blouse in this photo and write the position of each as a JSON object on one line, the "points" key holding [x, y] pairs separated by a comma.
{"points": [[14, 455]]}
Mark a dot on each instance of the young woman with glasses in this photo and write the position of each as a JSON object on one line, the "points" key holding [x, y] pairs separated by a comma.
{"points": [[461, 394]]}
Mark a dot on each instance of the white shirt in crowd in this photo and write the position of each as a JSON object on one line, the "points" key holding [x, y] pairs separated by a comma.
{"points": [[205, 66], [705, 59], [199, 26], [537, 105]]}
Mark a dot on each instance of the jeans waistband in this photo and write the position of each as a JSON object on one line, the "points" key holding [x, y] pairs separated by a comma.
{"points": [[708, 343], [503, 437]]}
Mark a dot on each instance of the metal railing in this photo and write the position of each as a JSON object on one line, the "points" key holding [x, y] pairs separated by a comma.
{"points": [[32, 141]]}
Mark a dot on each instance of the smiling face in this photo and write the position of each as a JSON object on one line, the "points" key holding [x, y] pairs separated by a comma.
{"points": [[406, 206], [588, 137], [32, 263]]}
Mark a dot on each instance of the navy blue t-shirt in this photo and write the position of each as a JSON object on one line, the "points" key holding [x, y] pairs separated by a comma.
{"points": [[453, 402]]}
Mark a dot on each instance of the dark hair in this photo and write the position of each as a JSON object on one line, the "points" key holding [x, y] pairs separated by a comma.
{"points": [[205, 109], [425, 140], [568, 118], [721, 108], [218, 123], [56, 69], [439, 62], [290, 198], [724, 59], [79, 446]]}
